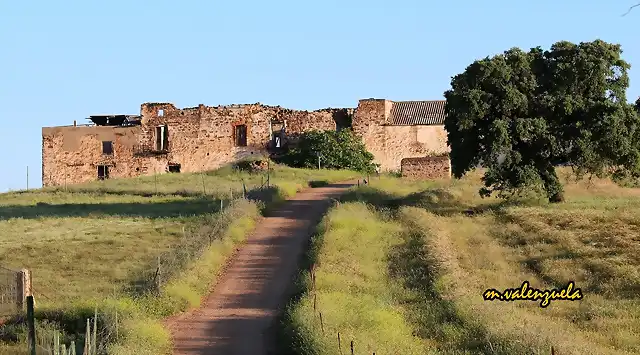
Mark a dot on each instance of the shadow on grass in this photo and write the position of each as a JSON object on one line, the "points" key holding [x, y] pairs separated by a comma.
{"points": [[195, 204], [180, 208], [439, 201], [435, 317]]}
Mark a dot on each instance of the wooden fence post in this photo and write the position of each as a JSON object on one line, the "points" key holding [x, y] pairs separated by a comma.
{"points": [[352, 347], [95, 333], [321, 323], [87, 338], [339, 346], [158, 274], [31, 324], [553, 351]]}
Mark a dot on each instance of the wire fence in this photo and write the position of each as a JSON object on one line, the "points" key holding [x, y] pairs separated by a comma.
{"points": [[348, 346]]}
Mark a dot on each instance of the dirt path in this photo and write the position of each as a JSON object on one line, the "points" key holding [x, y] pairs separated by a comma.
{"points": [[237, 317]]}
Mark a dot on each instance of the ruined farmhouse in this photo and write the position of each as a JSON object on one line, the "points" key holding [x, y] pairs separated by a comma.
{"points": [[163, 138]]}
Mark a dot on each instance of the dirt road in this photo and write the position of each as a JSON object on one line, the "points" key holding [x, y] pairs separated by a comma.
{"points": [[237, 317]]}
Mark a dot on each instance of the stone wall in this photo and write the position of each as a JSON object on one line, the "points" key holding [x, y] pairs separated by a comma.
{"points": [[72, 154], [390, 144], [199, 138], [434, 167]]}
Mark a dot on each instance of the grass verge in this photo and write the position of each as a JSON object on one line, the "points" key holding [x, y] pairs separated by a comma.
{"points": [[432, 257], [353, 294]]}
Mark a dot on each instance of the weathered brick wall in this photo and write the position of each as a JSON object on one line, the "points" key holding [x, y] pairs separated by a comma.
{"points": [[434, 167], [199, 138], [390, 144]]}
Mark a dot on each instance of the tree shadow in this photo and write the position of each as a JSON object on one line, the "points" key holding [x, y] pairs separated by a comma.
{"points": [[193, 204], [439, 201], [164, 209], [435, 317]]}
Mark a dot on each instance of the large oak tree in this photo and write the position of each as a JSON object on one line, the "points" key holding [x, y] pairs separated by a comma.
{"points": [[520, 114]]}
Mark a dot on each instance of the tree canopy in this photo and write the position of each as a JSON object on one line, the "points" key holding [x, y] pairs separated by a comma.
{"points": [[520, 114], [336, 150]]}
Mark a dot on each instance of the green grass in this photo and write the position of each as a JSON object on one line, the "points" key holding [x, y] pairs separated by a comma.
{"points": [[87, 244], [423, 253]]}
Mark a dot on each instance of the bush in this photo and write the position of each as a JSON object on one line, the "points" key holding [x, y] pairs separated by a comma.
{"points": [[336, 150]]}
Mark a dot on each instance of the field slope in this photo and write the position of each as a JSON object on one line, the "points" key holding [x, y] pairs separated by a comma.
{"points": [[92, 245], [402, 267]]}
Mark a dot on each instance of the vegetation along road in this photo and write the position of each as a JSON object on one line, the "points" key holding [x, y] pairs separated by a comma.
{"points": [[238, 316]]}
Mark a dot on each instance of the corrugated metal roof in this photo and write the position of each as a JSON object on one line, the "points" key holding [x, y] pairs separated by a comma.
{"points": [[408, 113]]}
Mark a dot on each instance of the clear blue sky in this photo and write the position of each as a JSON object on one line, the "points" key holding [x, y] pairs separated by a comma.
{"points": [[62, 60]]}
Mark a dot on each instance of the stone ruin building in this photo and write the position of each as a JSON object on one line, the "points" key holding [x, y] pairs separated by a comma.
{"points": [[401, 135]]}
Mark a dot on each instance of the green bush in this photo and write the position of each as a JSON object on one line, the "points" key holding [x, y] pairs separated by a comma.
{"points": [[334, 150]]}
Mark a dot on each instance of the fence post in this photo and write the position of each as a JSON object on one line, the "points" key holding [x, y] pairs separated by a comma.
{"points": [[244, 190], [268, 172], [321, 323], [56, 343], [23, 286], [352, 347], [95, 331], [31, 323], [158, 271], [87, 338], [339, 346], [221, 204], [27, 177], [204, 187], [116, 324]]}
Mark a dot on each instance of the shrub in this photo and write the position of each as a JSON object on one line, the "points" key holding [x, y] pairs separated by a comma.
{"points": [[335, 150]]}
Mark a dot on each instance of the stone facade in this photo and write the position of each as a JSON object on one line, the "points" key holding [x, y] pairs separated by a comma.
{"points": [[391, 138], [165, 138], [435, 167]]}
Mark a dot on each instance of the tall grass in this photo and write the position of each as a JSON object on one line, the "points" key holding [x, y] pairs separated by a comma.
{"points": [[447, 246]]}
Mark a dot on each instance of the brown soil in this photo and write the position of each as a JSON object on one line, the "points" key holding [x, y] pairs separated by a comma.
{"points": [[238, 316]]}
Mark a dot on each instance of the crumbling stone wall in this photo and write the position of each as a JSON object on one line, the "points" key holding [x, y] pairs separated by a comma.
{"points": [[72, 154], [433, 167], [390, 144], [199, 138]]}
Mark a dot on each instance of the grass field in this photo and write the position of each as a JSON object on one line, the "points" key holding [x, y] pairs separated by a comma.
{"points": [[406, 272], [87, 243]]}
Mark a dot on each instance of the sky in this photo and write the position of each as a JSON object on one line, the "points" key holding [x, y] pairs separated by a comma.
{"points": [[62, 61]]}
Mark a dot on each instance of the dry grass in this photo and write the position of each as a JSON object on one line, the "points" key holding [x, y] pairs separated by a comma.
{"points": [[86, 244], [456, 245], [353, 292]]}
